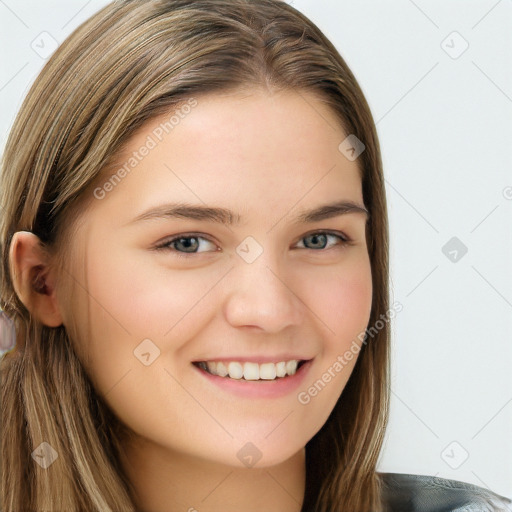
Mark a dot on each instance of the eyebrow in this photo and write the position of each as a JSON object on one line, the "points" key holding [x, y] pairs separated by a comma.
{"points": [[229, 218]]}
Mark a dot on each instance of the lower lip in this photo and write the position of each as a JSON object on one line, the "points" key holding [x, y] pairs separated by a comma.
{"points": [[259, 388]]}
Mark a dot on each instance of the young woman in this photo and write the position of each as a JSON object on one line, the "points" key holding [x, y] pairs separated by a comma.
{"points": [[194, 251]]}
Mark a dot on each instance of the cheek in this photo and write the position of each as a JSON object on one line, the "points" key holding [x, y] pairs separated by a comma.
{"points": [[132, 297], [343, 303], [146, 298]]}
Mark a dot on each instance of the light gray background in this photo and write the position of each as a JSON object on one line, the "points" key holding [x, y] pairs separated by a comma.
{"points": [[444, 118]]}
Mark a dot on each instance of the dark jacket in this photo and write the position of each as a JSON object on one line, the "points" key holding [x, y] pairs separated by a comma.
{"points": [[421, 493]]}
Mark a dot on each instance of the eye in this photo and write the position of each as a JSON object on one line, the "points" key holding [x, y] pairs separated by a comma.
{"points": [[187, 244], [318, 240]]}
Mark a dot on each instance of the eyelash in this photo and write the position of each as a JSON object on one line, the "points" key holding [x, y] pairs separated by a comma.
{"points": [[166, 246]]}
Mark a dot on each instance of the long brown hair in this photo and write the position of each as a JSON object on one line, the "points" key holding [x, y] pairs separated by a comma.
{"points": [[131, 61]]}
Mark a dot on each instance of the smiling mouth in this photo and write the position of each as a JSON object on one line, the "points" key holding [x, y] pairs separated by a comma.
{"points": [[251, 371]]}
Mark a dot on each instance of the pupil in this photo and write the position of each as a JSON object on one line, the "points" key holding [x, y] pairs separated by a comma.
{"points": [[187, 244], [316, 237]]}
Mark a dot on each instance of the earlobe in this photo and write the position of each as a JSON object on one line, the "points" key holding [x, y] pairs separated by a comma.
{"points": [[32, 278]]}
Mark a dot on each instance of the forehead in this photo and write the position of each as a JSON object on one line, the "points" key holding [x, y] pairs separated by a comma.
{"points": [[248, 147]]}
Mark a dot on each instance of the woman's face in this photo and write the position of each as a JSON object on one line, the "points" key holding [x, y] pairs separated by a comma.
{"points": [[266, 287]]}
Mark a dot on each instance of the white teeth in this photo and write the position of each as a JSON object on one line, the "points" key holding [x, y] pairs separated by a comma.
{"points": [[235, 370], [250, 371], [268, 371], [281, 369], [291, 367], [222, 371]]}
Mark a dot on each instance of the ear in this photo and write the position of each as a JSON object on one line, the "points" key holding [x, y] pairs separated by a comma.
{"points": [[32, 278]]}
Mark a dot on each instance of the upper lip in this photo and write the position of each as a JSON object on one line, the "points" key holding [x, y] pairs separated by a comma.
{"points": [[256, 359]]}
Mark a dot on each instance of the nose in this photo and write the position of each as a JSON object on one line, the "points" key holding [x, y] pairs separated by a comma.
{"points": [[260, 296]]}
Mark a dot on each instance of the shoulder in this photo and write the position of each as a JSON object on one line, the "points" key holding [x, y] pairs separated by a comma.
{"points": [[423, 493]]}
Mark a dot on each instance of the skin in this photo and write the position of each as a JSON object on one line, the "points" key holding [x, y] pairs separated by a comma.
{"points": [[266, 157]]}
